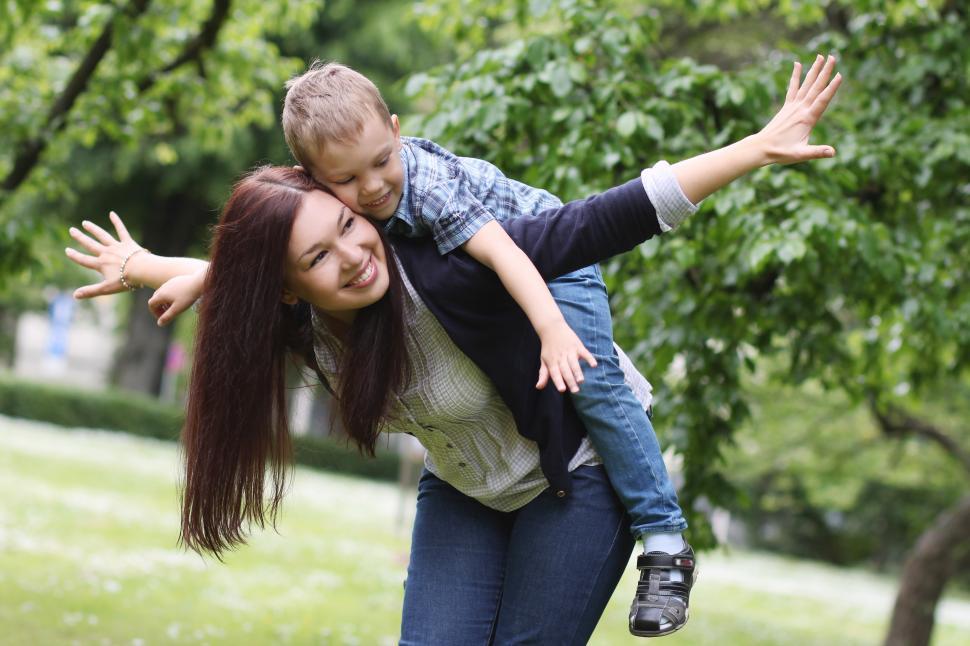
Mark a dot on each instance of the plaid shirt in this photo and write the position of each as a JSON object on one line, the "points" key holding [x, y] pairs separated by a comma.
{"points": [[453, 409], [450, 198]]}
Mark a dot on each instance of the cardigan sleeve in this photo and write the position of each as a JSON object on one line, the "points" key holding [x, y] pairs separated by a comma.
{"points": [[587, 231]]}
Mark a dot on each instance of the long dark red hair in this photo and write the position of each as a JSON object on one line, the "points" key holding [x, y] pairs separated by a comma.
{"points": [[236, 427]]}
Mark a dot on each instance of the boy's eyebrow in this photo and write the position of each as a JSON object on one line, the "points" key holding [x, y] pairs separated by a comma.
{"points": [[317, 245]]}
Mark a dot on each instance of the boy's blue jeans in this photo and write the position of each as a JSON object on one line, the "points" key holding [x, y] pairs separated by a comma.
{"points": [[541, 574], [618, 426]]}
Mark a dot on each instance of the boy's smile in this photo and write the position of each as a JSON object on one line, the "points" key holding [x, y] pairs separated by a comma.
{"points": [[365, 174]]}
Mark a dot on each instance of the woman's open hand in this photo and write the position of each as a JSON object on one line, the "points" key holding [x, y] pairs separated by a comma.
{"points": [[786, 135], [107, 255]]}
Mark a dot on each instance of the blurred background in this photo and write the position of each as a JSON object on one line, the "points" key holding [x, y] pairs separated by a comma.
{"points": [[807, 332]]}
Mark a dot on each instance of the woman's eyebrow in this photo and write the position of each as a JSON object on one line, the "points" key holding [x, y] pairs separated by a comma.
{"points": [[317, 245]]}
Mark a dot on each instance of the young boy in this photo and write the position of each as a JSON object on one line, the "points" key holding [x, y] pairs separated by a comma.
{"points": [[340, 130]]}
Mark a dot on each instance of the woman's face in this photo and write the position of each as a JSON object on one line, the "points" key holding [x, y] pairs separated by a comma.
{"points": [[336, 260]]}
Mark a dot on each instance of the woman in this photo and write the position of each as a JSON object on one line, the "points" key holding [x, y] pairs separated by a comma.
{"points": [[293, 270]]}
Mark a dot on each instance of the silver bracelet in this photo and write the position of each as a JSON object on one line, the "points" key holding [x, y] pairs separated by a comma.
{"points": [[121, 272]]}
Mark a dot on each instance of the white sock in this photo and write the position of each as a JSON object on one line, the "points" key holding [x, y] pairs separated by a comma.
{"points": [[667, 542]]}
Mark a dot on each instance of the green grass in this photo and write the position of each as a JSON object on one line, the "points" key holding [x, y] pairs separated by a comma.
{"points": [[87, 556]]}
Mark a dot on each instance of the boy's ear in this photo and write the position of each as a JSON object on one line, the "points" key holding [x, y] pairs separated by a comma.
{"points": [[395, 126], [288, 297]]}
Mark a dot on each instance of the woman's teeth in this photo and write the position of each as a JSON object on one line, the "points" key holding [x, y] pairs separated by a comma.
{"points": [[364, 276]]}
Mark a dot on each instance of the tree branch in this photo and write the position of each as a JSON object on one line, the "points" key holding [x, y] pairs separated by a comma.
{"points": [[28, 152], [895, 422], [195, 47]]}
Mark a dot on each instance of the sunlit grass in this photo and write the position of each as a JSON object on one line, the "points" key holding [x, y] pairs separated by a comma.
{"points": [[87, 555]]}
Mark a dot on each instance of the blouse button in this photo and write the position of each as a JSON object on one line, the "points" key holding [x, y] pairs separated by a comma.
{"points": [[560, 494]]}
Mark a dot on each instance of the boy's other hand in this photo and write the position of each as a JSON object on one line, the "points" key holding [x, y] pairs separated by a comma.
{"points": [[561, 352]]}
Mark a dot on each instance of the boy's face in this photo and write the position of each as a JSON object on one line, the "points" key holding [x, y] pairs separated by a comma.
{"points": [[365, 175]]}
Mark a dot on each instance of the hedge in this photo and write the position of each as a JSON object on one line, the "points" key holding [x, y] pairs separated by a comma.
{"points": [[141, 415]]}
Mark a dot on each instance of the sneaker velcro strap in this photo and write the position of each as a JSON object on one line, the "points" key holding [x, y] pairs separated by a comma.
{"points": [[661, 560]]}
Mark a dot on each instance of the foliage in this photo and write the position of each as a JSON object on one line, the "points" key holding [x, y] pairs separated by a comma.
{"points": [[152, 82], [853, 269], [147, 417], [821, 481]]}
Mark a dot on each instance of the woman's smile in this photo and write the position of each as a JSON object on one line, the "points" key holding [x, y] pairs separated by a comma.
{"points": [[365, 277]]}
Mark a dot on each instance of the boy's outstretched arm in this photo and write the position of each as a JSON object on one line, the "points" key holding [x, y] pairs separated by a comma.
{"points": [[561, 348], [783, 141]]}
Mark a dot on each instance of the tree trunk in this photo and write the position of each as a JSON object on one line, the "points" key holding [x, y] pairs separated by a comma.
{"points": [[940, 551], [175, 224], [140, 361]]}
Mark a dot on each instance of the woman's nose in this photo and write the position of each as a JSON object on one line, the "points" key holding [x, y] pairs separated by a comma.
{"points": [[350, 254]]}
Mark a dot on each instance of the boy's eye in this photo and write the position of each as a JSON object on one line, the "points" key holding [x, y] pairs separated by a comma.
{"points": [[344, 181], [384, 161]]}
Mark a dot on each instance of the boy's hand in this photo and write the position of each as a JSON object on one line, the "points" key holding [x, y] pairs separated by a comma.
{"points": [[175, 296], [561, 352]]}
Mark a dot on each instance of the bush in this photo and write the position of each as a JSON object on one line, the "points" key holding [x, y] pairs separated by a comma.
{"points": [[140, 415]]}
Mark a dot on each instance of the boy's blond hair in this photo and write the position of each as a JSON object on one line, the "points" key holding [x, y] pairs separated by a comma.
{"points": [[328, 102]]}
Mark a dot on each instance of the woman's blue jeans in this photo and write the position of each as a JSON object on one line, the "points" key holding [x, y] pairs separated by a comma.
{"points": [[539, 575], [617, 425]]}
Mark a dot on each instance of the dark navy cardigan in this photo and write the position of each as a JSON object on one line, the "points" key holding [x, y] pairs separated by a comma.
{"points": [[483, 320]]}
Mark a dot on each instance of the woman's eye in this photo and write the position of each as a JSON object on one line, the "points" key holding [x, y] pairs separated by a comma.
{"points": [[348, 224], [317, 258]]}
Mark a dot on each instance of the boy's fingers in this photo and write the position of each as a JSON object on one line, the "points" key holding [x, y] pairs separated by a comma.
{"points": [[825, 96], [577, 372], [567, 375], [557, 379], [821, 80], [588, 357], [796, 76], [811, 76], [543, 377]]}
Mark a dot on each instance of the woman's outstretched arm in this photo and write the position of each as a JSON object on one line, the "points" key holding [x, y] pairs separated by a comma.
{"points": [[783, 141], [107, 254]]}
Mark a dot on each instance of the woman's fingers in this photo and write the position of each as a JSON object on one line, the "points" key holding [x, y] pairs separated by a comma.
{"points": [[99, 234], [120, 227], [82, 259], [103, 288], [85, 241]]}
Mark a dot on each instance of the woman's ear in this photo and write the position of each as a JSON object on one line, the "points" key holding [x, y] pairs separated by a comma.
{"points": [[288, 297]]}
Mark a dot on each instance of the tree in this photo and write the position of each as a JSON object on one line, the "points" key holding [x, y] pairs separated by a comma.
{"points": [[122, 91], [852, 271]]}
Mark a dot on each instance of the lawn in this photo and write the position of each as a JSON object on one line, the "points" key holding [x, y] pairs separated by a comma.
{"points": [[87, 556]]}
